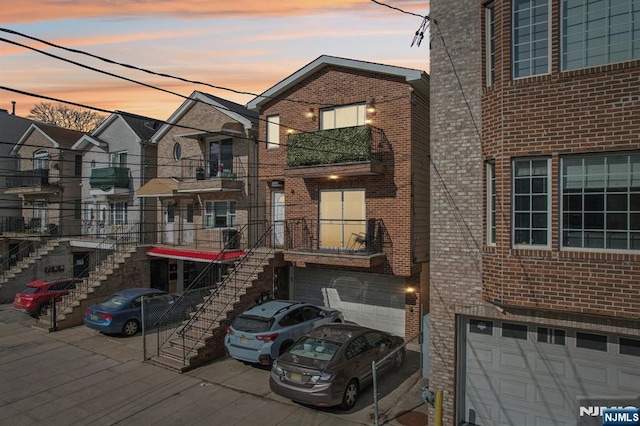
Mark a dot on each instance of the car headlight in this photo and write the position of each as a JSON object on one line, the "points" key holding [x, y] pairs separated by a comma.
{"points": [[277, 369]]}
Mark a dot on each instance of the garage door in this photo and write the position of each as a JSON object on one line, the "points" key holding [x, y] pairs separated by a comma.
{"points": [[372, 300], [533, 375]]}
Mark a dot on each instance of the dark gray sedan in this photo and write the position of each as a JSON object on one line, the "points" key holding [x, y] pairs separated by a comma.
{"points": [[332, 363]]}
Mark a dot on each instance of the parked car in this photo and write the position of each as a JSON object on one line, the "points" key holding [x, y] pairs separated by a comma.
{"points": [[122, 312], [331, 364], [37, 295], [265, 331]]}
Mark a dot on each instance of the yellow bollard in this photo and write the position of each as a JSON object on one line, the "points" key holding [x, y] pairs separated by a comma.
{"points": [[438, 408]]}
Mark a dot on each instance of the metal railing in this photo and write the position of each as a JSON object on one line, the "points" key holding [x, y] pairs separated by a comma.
{"points": [[200, 168], [350, 237], [202, 300], [22, 251], [103, 258]]}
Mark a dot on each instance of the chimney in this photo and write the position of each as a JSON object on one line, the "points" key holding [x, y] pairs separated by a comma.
{"points": [[13, 107]]}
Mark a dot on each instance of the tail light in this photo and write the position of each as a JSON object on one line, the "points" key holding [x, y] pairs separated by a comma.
{"points": [[106, 317], [229, 331], [267, 337]]}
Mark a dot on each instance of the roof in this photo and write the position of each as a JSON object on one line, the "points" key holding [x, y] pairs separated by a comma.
{"points": [[12, 127], [194, 255], [270, 308], [158, 187], [416, 78], [59, 136], [236, 112], [131, 292], [338, 332], [144, 127]]}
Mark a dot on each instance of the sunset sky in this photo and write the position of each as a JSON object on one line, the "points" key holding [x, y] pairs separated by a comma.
{"points": [[243, 45]]}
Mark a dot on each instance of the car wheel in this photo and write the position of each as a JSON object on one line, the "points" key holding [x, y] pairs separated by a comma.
{"points": [[40, 310], [130, 327], [350, 395]]}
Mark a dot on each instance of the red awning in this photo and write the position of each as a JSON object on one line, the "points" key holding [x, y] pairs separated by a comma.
{"points": [[194, 255]]}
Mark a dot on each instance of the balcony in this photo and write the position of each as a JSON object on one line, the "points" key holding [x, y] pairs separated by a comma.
{"points": [[30, 182], [109, 181], [349, 151], [356, 243], [199, 175]]}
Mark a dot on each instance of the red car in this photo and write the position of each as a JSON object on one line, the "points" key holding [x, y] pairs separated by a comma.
{"points": [[37, 295]]}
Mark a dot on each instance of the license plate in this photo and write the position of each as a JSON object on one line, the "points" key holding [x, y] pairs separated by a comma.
{"points": [[296, 377], [94, 317], [244, 341], [18, 299]]}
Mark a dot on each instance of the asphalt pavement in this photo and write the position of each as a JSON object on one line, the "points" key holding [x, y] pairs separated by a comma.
{"points": [[78, 376]]}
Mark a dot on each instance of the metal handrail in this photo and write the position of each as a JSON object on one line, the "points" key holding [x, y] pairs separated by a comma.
{"points": [[106, 254], [230, 280], [24, 250]]}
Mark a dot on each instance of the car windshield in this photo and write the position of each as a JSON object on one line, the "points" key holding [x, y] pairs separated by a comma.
{"points": [[251, 324], [115, 302], [30, 290], [307, 347]]}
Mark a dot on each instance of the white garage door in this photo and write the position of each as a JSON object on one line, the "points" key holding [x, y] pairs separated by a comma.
{"points": [[371, 300], [532, 375]]}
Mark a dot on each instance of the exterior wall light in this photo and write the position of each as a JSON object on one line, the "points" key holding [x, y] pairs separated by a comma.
{"points": [[310, 113], [371, 109]]}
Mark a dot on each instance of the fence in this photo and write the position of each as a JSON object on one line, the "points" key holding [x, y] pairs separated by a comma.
{"points": [[390, 386]]}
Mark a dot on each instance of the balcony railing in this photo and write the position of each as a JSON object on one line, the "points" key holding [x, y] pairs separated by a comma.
{"points": [[198, 168], [109, 177], [352, 237], [345, 145], [26, 178]]}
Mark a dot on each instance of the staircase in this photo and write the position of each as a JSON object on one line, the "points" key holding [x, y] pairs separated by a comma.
{"points": [[101, 282], [37, 250], [201, 338]]}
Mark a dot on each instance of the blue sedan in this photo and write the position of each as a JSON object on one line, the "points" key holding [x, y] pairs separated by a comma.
{"points": [[122, 312]]}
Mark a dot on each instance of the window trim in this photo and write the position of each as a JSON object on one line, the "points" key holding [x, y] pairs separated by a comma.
{"points": [[549, 43], [490, 46], [513, 205], [562, 48], [361, 115], [273, 131], [491, 204], [41, 157], [210, 213]]}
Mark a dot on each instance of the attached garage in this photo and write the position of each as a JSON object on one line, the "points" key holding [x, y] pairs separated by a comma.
{"points": [[532, 375], [371, 300]]}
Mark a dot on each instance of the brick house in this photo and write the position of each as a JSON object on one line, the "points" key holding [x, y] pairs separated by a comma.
{"points": [[535, 248], [205, 191], [344, 142]]}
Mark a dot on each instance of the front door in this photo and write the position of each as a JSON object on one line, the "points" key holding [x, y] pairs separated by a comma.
{"points": [[39, 221], [278, 218], [159, 274], [81, 264], [187, 224], [342, 218], [169, 222]]}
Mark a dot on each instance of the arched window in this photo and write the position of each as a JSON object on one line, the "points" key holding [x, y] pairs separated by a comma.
{"points": [[41, 160]]}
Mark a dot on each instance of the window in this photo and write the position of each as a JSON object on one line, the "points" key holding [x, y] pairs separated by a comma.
{"points": [[530, 38], [481, 327], [629, 346], [490, 40], [119, 159], [221, 158], [342, 218], [77, 209], [118, 213], [515, 331], [189, 213], [273, 131], [551, 335], [219, 214], [41, 160], [77, 169], [531, 193], [491, 203], [343, 116], [171, 212], [177, 151], [599, 32], [596, 342], [357, 347], [601, 201]]}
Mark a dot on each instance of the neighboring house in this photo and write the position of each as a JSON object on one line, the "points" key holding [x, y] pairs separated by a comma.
{"points": [[48, 180], [12, 128], [118, 159], [343, 157], [205, 194], [535, 208]]}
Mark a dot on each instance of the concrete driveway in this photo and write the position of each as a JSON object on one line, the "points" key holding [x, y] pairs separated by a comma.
{"points": [[77, 376]]}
